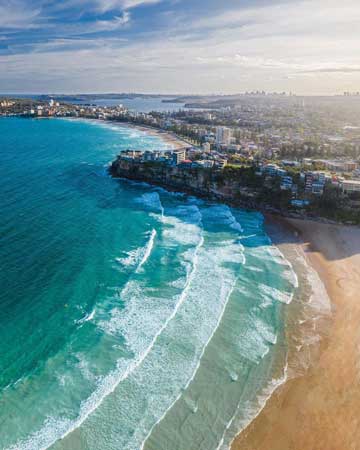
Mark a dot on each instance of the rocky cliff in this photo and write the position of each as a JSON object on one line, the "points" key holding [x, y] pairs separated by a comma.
{"points": [[202, 182]]}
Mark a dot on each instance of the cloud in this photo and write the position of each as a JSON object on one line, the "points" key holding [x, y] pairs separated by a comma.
{"points": [[108, 5], [302, 45], [109, 25], [104, 6], [15, 14], [334, 70]]}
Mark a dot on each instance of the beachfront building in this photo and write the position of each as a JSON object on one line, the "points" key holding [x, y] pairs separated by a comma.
{"points": [[350, 186], [151, 156], [178, 156]]}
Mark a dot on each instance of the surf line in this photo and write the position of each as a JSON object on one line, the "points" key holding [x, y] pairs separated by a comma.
{"points": [[91, 404], [148, 249], [197, 365]]}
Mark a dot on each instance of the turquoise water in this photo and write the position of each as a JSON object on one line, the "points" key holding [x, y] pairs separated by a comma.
{"points": [[130, 317]]}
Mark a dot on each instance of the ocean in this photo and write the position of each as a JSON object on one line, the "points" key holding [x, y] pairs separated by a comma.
{"points": [[130, 317]]}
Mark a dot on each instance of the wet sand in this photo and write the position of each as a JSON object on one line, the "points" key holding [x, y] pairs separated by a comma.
{"points": [[319, 408]]}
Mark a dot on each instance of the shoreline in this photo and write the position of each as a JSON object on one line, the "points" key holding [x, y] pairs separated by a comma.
{"points": [[303, 398], [309, 322], [170, 138], [167, 136], [174, 141], [317, 407]]}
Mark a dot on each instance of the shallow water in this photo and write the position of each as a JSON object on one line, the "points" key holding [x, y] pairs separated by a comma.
{"points": [[130, 317]]}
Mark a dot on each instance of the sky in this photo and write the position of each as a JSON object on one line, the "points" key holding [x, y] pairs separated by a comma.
{"points": [[179, 46]]}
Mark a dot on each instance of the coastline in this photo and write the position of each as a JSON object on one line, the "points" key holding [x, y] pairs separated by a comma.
{"points": [[174, 141], [321, 332], [171, 139], [317, 407], [288, 242]]}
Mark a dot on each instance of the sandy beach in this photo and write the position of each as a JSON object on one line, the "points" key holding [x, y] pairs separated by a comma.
{"points": [[170, 138], [318, 409]]}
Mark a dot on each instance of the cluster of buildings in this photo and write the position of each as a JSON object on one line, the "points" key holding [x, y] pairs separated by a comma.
{"points": [[39, 109], [307, 146], [304, 183], [187, 158]]}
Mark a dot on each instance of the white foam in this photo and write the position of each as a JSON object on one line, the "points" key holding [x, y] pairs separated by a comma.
{"points": [[179, 232], [87, 317], [210, 259], [131, 259], [255, 269], [140, 255], [289, 274], [253, 344], [209, 285], [148, 249], [276, 294], [134, 324], [320, 301], [265, 330], [319, 298]]}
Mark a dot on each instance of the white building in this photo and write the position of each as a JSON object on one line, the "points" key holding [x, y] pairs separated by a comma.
{"points": [[351, 186], [206, 147], [223, 136], [178, 156]]}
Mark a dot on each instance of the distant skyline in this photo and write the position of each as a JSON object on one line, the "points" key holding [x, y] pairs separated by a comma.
{"points": [[179, 46]]}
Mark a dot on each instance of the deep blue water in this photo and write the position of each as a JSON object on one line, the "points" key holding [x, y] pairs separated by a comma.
{"points": [[129, 316]]}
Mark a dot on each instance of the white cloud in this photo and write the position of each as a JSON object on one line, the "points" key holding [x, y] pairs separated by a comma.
{"points": [[109, 25], [107, 5], [15, 14], [103, 6], [308, 46]]}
